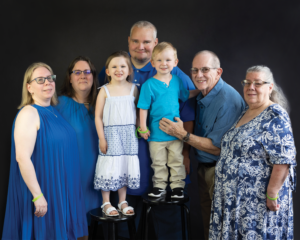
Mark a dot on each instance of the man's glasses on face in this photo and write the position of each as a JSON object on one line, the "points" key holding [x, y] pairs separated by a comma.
{"points": [[41, 80], [258, 83], [78, 72], [203, 70]]}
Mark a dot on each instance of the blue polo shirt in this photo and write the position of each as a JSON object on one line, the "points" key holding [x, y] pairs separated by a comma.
{"points": [[187, 113], [162, 101], [215, 114]]}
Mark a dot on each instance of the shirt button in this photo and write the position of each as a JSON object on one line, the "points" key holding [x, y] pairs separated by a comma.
{"points": [[206, 126], [135, 80], [201, 107], [137, 70]]}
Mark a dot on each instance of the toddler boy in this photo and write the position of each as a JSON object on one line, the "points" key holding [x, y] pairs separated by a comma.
{"points": [[160, 95]]}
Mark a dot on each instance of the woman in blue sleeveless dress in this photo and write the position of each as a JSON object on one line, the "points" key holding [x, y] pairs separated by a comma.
{"points": [[76, 105], [45, 199]]}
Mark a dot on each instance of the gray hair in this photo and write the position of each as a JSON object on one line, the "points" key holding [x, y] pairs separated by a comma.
{"points": [[215, 59], [144, 24], [277, 95]]}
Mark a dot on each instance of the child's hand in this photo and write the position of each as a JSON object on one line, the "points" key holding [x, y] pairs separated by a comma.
{"points": [[145, 135], [103, 146]]}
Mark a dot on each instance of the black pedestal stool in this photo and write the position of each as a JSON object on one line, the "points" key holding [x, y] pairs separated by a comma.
{"points": [[98, 216], [149, 202]]}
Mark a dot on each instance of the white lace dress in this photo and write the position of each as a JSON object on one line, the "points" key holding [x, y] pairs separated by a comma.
{"points": [[119, 167]]}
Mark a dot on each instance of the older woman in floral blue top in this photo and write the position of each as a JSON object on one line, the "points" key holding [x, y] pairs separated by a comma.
{"points": [[255, 173]]}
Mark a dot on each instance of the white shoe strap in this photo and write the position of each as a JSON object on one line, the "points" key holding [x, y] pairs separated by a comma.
{"points": [[120, 204], [125, 210], [110, 209], [104, 204]]}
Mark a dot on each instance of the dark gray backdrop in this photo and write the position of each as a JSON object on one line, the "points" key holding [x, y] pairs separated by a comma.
{"points": [[242, 33]]}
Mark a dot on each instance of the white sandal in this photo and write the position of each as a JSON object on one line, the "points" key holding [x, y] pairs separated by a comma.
{"points": [[124, 211], [109, 210]]}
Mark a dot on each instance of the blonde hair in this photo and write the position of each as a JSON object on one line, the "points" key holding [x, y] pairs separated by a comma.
{"points": [[162, 46], [26, 96]]}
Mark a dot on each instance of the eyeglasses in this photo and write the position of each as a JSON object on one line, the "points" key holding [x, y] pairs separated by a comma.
{"points": [[78, 72], [247, 83], [203, 70], [41, 80]]}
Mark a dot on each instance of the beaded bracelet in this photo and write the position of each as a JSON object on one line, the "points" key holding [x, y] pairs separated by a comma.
{"points": [[138, 130], [273, 199], [37, 197]]}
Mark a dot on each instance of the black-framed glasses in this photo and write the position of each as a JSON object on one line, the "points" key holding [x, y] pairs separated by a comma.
{"points": [[41, 80], [258, 83], [203, 70], [78, 72]]}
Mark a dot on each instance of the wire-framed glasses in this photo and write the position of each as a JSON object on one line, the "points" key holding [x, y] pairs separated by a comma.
{"points": [[203, 70], [258, 83], [78, 72]]}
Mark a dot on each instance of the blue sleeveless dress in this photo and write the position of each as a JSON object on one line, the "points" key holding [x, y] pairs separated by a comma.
{"points": [[83, 122], [56, 162]]}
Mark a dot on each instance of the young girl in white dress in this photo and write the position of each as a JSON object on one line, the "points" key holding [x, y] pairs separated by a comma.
{"points": [[115, 117]]}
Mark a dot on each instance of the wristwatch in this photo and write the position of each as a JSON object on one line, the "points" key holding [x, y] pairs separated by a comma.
{"points": [[186, 137]]}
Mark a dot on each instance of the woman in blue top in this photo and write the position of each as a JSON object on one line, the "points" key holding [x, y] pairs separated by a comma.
{"points": [[76, 105], [44, 199], [255, 174]]}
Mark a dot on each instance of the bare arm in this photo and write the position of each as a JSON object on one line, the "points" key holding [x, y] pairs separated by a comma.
{"points": [[99, 120], [278, 176], [25, 133], [189, 127], [136, 95], [194, 93], [143, 122], [176, 129]]}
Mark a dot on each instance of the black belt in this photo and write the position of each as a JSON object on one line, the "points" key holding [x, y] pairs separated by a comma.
{"points": [[209, 165]]}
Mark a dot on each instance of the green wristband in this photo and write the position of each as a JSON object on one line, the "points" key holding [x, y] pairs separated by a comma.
{"points": [[138, 130], [273, 199], [37, 197]]}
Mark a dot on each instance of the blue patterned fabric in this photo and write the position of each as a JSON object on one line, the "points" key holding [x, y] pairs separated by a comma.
{"points": [[114, 184], [248, 153], [119, 167], [117, 138]]}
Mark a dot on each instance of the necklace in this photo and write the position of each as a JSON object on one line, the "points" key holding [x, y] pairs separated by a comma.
{"points": [[48, 109]]}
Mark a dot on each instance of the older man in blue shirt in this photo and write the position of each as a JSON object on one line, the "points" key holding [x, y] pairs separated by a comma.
{"points": [[141, 42], [218, 107]]}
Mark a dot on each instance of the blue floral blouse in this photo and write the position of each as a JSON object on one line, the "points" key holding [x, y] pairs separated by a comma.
{"points": [[248, 153]]}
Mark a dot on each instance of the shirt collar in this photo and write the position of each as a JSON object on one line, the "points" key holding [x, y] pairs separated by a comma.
{"points": [[211, 95], [148, 67]]}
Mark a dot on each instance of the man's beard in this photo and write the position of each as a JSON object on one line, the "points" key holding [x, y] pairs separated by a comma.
{"points": [[141, 60]]}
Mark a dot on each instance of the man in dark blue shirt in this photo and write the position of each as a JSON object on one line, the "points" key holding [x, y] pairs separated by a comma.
{"points": [[218, 107], [142, 40]]}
